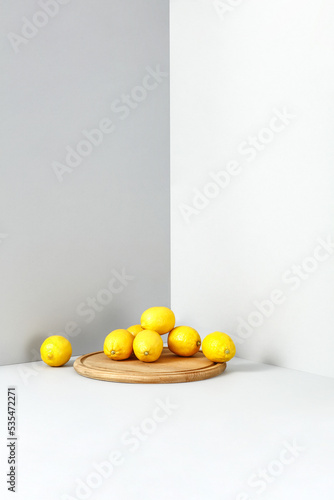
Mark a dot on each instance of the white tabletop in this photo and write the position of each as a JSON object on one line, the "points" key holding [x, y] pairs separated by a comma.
{"points": [[255, 431]]}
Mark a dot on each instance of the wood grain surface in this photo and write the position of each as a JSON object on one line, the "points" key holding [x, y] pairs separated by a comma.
{"points": [[169, 368]]}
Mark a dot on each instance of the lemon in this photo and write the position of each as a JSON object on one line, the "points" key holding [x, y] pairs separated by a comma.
{"points": [[148, 346], [218, 347], [134, 329], [184, 341], [158, 319], [56, 350], [118, 344]]}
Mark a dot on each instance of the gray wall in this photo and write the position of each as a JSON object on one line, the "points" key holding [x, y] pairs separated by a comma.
{"points": [[70, 226]]}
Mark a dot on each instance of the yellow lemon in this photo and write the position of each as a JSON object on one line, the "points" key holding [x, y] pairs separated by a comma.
{"points": [[148, 346], [56, 350], [158, 319], [218, 347], [118, 344], [184, 341], [134, 329]]}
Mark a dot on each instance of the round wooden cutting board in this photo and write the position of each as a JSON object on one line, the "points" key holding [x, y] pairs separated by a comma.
{"points": [[167, 369]]}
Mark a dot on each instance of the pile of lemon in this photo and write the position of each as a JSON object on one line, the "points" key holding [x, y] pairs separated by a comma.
{"points": [[144, 340]]}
